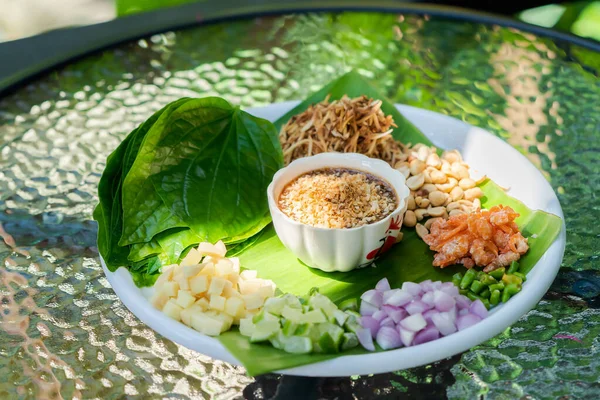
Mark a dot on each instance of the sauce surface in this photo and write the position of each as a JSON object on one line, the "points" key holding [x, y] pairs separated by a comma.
{"points": [[337, 198]]}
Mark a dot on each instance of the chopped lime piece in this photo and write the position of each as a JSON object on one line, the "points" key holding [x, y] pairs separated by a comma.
{"points": [[349, 304], [292, 301], [297, 345], [349, 340], [352, 326], [289, 328], [263, 330], [264, 315], [293, 314], [318, 301], [274, 305], [313, 317], [303, 330], [340, 317]]}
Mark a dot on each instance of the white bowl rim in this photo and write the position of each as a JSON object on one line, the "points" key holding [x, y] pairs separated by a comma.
{"points": [[402, 201]]}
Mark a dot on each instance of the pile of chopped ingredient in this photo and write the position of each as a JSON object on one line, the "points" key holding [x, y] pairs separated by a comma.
{"points": [[440, 186], [487, 238], [207, 291], [337, 198], [347, 126]]}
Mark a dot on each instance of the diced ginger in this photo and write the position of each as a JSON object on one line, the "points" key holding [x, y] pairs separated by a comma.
{"points": [[253, 301], [208, 269], [227, 321], [173, 310], [266, 290], [165, 276], [235, 262], [183, 282], [251, 313], [159, 299], [212, 250], [248, 274], [198, 284], [229, 291], [191, 270], [217, 303], [220, 246], [170, 288], [186, 313], [234, 306], [185, 298], [203, 303], [234, 279], [207, 324], [216, 286], [249, 286], [224, 267], [193, 257]]}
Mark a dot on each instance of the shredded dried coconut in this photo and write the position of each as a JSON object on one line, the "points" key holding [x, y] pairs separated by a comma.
{"points": [[337, 198]]}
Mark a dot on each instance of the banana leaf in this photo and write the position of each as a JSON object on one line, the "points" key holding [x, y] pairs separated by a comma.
{"points": [[409, 260]]}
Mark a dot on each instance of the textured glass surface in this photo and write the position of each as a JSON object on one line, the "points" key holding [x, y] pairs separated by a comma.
{"points": [[65, 334]]}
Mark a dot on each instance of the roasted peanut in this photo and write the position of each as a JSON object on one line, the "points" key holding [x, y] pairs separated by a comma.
{"points": [[459, 171], [466, 183], [410, 203], [436, 211], [422, 202], [427, 176], [434, 161], [415, 182], [410, 219], [404, 169], [429, 187], [420, 214], [456, 193], [473, 193], [447, 187], [438, 177], [423, 153], [416, 167], [437, 198], [421, 231], [451, 156], [453, 206]]}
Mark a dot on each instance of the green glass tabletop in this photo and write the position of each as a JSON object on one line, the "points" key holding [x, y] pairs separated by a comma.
{"points": [[65, 334]]}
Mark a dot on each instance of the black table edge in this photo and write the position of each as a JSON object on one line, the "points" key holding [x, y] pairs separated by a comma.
{"points": [[25, 59]]}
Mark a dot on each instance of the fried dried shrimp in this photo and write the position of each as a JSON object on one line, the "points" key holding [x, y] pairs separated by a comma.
{"points": [[487, 238]]}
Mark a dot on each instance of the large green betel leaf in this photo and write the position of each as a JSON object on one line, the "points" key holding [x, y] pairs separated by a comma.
{"points": [[409, 260]]}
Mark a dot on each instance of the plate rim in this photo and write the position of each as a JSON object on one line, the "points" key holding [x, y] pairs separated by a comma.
{"points": [[345, 365]]}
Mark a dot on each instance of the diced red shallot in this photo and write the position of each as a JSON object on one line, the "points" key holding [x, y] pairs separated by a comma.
{"points": [[365, 339], [467, 320], [399, 298], [383, 285], [426, 335], [413, 323], [373, 297], [388, 338], [370, 323], [416, 307]]}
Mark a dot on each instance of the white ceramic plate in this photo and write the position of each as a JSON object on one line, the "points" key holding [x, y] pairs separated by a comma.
{"points": [[486, 154]]}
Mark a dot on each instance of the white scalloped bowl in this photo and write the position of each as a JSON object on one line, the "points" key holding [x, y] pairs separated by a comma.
{"points": [[333, 249]]}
